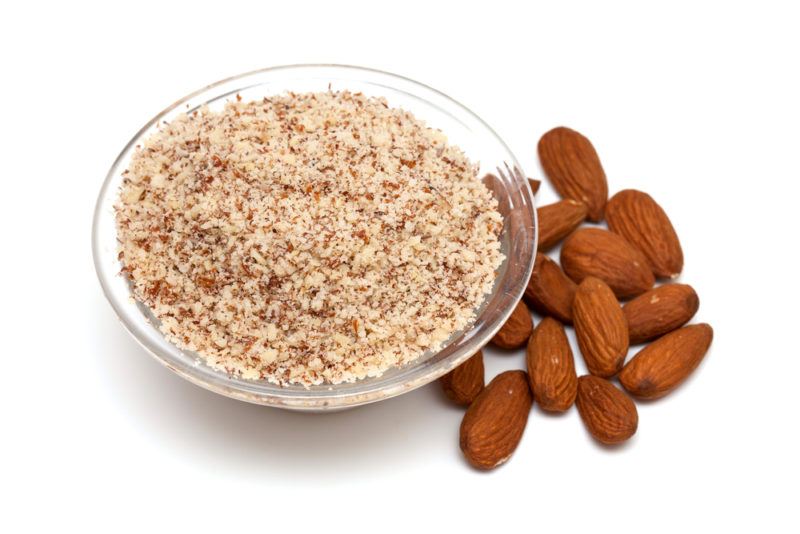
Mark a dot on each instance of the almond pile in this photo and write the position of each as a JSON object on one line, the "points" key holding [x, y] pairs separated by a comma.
{"points": [[599, 268]]}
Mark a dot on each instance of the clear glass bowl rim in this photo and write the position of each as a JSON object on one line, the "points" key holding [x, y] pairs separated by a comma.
{"points": [[336, 396]]}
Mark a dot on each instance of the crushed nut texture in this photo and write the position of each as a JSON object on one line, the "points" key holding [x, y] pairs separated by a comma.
{"points": [[306, 238]]}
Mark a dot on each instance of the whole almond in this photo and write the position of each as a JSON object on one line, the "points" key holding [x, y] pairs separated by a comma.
{"points": [[659, 311], [609, 415], [463, 384], [517, 329], [609, 257], [494, 422], [600, 327], [550, 291], [661, 366], [558, 220], [551, 367], [535, 185], [639, 219], [570, 162]]}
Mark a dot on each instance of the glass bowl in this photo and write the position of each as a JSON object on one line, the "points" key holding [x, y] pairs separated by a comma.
{"points": [[460, 125]]}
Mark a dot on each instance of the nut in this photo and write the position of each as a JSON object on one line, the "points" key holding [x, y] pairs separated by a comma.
{"points": [[608, 413], [550, 291], [600, 327], [517, 330], [570, 162], [551, 367], [609, 257], [558, 220], [495, 421], [643, 223], [660, 311], [463, 384], [661, 366]]}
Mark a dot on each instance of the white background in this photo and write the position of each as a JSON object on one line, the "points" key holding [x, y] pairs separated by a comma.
{"points": [[696, 103]]}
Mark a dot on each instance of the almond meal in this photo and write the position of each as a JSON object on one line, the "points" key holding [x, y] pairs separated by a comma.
{"points": [[306, 238]]}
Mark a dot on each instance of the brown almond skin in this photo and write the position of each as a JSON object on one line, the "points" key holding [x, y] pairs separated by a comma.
{"points": [[495, 421], [558, 220], [600, 327], [607, 256], [643, 223], [664, 364], [660, 311], [535, 185], [571, 164], [551, 367], [517, 330], [550, 291], [464, 383], [608, 413]]}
